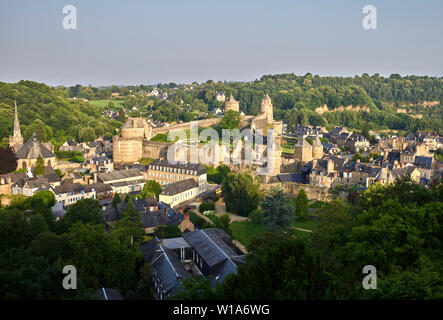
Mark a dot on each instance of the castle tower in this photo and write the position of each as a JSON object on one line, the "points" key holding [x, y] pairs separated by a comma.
{"points": [[16, 139], [232, 104], [267, 109], [302, 151], [317, 148]]}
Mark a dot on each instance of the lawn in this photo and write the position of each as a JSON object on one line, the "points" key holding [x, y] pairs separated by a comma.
{"points": [[104, 103], [145, 161], [163, 137], [245, 231]]}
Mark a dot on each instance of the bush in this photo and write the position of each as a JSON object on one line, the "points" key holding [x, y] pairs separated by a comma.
{"points": [[206, 206], [256, 216], [199, 222], [169, 231]]}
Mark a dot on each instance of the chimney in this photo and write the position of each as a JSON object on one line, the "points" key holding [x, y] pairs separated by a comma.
{"points": [[186, 215]]}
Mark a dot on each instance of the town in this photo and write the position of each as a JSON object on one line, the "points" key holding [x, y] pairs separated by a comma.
{"points": [[191, 217]]}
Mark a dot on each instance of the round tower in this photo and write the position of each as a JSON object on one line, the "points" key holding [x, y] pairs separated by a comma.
{"points": [[317, 148], [232, 104], [266, 108]]}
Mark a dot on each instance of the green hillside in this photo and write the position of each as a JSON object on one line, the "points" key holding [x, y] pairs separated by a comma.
{"points": [[51, 113]]}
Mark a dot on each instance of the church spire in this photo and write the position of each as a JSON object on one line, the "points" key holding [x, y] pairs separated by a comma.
{"points": [[16, 139], [17, 132]]}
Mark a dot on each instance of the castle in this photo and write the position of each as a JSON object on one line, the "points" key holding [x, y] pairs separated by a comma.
{"points": [[128, 146], [134, 143], [305, 152]]}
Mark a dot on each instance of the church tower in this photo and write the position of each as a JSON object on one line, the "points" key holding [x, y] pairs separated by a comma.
{"points": [[16, 139]]}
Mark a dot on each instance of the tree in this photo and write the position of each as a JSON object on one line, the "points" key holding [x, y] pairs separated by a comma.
{"points": [[151, 189], [223, 222], [231, 120], [256, 216], [9, 160], [194, 289], [278, 267], [278, 212], [116, 200], [98, 257], [143, 289], [39, 166], [240, 193], [86, 134], [301, 206], [167, 231], [83, 211]]}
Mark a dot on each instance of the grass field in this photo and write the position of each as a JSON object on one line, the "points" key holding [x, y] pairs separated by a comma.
{"points": [[163, 137], [245, 231], [145, 161], [104, 103]]}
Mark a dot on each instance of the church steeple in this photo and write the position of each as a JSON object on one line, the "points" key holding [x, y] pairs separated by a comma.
{"points": [[16, 138], [17, 132]]}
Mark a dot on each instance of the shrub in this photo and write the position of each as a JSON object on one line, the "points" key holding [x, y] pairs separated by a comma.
{"points": [[206, 206], [256, 216]]}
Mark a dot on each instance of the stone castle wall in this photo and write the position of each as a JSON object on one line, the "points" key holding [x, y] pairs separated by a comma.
{"points": [[185, 125], [292, 188], [155, 150]]}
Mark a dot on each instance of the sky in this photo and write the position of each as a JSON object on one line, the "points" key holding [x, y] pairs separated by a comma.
{"points": [[135, 42]]}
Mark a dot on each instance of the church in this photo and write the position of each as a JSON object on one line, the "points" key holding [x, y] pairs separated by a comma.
{"points": [[27, 153]]}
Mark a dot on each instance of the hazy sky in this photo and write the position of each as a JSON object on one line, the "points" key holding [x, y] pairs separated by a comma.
{"points": [[146, 42]]}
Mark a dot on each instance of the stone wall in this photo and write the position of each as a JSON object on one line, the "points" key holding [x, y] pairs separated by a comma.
{"points": [[186, 125], [292, 188], [155, 150]]}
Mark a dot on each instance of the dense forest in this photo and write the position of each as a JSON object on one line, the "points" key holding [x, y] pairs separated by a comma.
{"points": [[62, 113]]}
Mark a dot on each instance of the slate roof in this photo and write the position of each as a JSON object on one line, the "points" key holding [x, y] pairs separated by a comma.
{"points": [[291, 177], [423, 162], [166, 265], [405, 171], [32, 149], [180, 165], [212, 246], [15, 176], [179, 187], [109, 294], [118, 175]]}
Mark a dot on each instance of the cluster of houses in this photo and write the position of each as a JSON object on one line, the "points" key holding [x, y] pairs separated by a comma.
{"points": [[387, 160]]}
